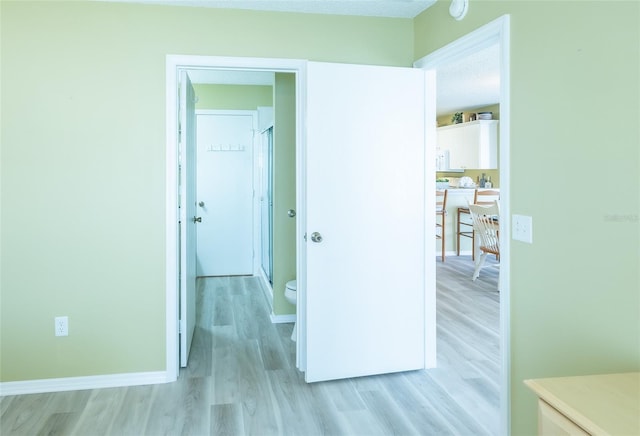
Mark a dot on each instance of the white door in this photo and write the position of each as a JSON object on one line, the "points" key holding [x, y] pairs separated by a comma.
{"points": [[365, 197], [187, 214], [225, 192]]}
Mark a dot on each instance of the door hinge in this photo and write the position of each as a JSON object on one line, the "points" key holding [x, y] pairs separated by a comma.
{"points": [[180, 327]]}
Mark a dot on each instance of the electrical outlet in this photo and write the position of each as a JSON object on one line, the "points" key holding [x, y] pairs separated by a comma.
{"points": [[62, 325], [522, 228]]}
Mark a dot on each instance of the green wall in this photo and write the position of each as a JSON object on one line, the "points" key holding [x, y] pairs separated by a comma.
{"points": [[233, 97], [284, 189], [575, 292], [83, 143]]}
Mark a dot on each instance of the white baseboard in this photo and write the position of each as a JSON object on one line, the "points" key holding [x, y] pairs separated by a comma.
{"points": [[268, 291], [267, 288], [278, 319], [82, 383]]}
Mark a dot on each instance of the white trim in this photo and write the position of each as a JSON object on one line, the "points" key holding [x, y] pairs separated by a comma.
{"points": [[279, 319], [505, 268], [173, 63], [172, 218], [430, 314], [301, 220], [267, 288], [497, 31], [268, 292], [462, 47], [82, 383]]}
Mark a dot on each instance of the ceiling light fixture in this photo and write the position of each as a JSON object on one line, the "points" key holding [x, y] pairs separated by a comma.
{"points": [[458, 9]]}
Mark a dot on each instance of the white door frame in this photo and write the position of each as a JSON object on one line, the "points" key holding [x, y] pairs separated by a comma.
{"points": [[497, 31], [173, 64]]}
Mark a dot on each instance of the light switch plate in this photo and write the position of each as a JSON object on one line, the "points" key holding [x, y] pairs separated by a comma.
{"points": [[522, 228]]}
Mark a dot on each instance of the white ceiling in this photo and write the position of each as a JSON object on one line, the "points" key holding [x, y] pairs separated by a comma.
{"points": [[375, 8], [469, 83], [465, 84]]}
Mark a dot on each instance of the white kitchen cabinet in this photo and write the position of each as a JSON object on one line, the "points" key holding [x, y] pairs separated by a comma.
{"points": [[472, 145]]}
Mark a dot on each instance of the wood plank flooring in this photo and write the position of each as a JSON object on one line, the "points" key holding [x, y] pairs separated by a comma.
{"points": [[241, 378]]}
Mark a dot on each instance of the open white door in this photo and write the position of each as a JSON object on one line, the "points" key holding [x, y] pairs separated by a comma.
{"points": [[187, 152], [365, 207]]}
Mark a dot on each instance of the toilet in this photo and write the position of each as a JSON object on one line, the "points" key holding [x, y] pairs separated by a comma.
{"points": [[290, 293]]}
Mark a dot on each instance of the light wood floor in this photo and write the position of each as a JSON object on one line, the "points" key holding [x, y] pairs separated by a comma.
{"points": [[242, 380]]}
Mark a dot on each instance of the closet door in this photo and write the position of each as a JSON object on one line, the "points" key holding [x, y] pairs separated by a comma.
{"points": [[364, 263]]}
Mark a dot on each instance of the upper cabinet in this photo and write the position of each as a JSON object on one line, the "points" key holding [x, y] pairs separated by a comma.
{"points": [[472, 145]]}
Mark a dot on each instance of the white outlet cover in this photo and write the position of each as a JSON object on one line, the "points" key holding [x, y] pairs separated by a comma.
{"points": [[61, 325], [522, 228]]}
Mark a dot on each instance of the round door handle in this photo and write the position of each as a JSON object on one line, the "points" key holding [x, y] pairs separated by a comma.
{"points": [[197, 219], [291, 213], [201, 204], [316, 237]]}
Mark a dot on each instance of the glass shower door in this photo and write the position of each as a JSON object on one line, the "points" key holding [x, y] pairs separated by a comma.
{"points": [[266, 206]]}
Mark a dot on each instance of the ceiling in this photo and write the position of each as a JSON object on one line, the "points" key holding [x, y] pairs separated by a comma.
{"points": [[462, 85], [374, 8], [469, 83]]}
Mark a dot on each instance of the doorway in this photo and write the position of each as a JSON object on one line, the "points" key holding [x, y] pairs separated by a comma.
{"points": [[497, 33], [231, 67], [403, 105]]}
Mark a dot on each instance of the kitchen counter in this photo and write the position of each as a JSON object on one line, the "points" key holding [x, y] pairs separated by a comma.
{"points": [[460, 188], [455, 189], [457, 197]]}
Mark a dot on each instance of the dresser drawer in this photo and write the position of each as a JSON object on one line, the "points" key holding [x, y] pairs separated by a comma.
{"points": [[553, 423]]}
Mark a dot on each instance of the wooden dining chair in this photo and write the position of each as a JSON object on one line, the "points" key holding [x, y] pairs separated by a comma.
{"points": [[441, 214], [465, 225], [486, 224]]}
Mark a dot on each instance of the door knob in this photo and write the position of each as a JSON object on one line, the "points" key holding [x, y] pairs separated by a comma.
{"points": [[197, 219], [291, 213], [316, 237], [201, 204]]}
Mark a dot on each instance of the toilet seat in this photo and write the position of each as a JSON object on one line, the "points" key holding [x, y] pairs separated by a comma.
{"points": [[291, 295], [290, 291]]}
